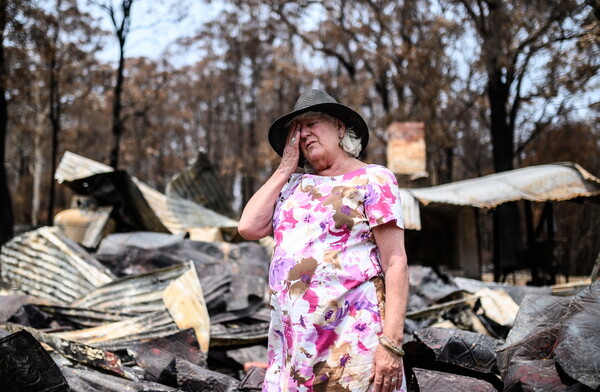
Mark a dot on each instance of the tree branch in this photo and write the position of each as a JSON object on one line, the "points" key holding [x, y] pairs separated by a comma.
{"points": [[350, 68]]}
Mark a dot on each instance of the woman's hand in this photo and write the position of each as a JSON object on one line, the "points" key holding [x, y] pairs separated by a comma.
{"points": [[388, 370], [256, 221], [291, 151]]}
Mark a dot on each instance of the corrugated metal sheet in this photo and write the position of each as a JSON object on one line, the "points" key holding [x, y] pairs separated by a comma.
{"points": [[123, 333], [185, 302], [136, 294], [167, 300], [175, 213], [83, 317], [200, 184], [410, 210], [553, 182], [84, 225], [73, 167], [180, 214], [45, 263]]}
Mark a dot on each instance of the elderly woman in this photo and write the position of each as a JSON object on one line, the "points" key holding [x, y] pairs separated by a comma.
{"points": [[338, 277]]}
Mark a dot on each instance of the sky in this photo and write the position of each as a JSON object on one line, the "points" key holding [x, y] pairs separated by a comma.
{"points": [[153, 27]]}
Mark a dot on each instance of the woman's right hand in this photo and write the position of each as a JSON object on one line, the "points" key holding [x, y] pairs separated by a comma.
{"points": [[256, 221], [291, 151]]}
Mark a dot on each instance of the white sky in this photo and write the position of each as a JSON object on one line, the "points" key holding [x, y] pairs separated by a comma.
{"points": [[153, 27]]}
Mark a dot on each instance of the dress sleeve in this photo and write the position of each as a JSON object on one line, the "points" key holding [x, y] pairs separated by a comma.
{"points": [[382, 199], [289, 187]]}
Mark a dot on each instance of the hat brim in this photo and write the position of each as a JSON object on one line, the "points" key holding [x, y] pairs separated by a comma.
{"points": [[278, 133]]}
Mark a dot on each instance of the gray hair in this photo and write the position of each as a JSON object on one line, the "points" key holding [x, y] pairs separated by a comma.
{"points": [[350, 143]]}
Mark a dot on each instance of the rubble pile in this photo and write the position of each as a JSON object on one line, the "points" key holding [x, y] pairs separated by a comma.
{"points": [[161, 306]]}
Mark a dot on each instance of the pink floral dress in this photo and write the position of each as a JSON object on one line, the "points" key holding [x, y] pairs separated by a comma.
{"points": [[326, 280]]}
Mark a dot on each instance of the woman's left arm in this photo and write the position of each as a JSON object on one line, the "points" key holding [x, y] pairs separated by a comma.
{"points": [[390, 241]]}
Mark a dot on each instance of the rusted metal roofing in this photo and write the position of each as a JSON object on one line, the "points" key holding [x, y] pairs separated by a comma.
{"points": [[45, 263], [84, 225], [552, 182], [175, 213], [73, 167], [120, 334], [134, 294], [200, 184], [166, 300], [180, 214]]}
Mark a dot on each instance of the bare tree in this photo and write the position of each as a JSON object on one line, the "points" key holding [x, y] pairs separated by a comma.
{"points": [[121, 21], [55, 106], [389, 60], [513, 36], [6, 213], [60, 38]]}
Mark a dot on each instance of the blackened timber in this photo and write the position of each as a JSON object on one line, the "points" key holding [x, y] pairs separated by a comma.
{"points": [[193, 378], [253, 380], [157, 356], [26, 367], [78, 352], [97, 381]]}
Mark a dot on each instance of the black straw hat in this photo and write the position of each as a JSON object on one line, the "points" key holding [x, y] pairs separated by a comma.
{"points": [[318, 101]]}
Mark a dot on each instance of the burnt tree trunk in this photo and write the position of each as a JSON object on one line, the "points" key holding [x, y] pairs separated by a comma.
{"points": [[121, 30], [54, 115], [6, 213], [117, 129], [55, 108], [507, 236]]}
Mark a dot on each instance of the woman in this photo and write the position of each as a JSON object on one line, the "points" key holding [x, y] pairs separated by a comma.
{"points": [[339, 251]]}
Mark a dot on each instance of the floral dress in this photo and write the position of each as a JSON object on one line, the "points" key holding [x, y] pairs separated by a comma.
{"points": [[326, 280]]}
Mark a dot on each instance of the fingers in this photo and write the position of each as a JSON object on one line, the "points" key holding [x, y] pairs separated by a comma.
{"points": [[386, 384], [387, 380], [387, 371], [293, 134], [398, 382], [291, 151], [292, 147]]}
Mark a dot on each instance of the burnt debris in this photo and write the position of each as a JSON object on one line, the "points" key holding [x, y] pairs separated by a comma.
{"points": [[156, 292]]}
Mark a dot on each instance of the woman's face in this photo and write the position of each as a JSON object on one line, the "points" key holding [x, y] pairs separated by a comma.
{"points": [[319, 137]]}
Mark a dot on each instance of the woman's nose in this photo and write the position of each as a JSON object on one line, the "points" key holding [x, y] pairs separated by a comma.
{"points": [[304, 131]]}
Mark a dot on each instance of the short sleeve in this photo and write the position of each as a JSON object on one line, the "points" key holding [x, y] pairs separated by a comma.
{"points": [[289, 188], [382, 198]]}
